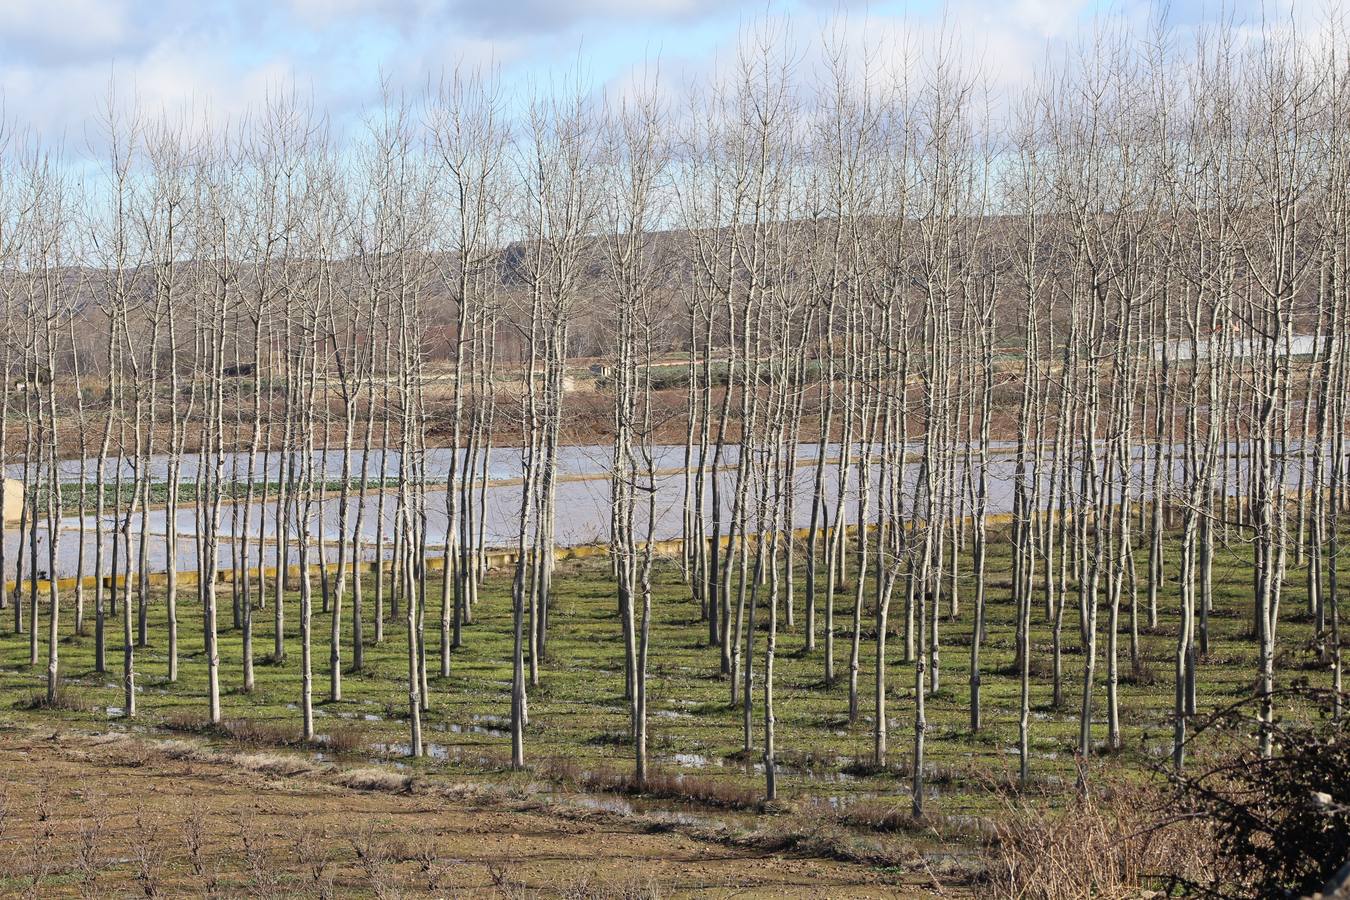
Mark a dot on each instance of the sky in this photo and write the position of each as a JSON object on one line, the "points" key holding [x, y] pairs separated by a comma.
{"points": [[58, 58]]}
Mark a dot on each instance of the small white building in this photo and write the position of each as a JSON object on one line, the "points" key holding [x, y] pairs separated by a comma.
{"points": [[1181, 350], [11, 499]]}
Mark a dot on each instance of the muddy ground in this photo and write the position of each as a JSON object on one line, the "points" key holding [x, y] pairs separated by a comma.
{"points": [[87, 814]]}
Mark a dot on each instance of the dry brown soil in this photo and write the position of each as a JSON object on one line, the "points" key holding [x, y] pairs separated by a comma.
{"points": [[95, 816]]}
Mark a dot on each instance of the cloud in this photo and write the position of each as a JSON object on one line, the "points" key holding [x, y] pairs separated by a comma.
{"points": [[56, 31], [495, 17], [223, 56]]}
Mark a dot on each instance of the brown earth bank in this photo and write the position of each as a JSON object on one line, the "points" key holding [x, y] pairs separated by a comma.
{"points": [[116, 815], [587, 420]]}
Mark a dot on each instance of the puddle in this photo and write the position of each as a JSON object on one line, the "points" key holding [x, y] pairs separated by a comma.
{"points": [[478, 729], [431, 750], [842, 802], [604, 804], [493, 726], [682, 819], [829, 776], [977, 824], [115, 712]]}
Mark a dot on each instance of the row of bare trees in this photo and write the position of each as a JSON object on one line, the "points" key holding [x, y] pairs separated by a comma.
{"points": [[885, 340]]}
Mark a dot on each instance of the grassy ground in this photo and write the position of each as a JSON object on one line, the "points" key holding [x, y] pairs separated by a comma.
{"points": [[833, 804], [187, 491]]}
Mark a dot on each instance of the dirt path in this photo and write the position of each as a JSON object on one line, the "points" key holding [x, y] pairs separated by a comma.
{"points": [[96, 816]]}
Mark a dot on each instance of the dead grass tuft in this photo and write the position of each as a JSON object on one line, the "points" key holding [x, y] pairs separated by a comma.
{"points": [[342, 739], [250, 732], [376, 780], [660, 783], [1145, 674], [65, 698], [274, 764]]}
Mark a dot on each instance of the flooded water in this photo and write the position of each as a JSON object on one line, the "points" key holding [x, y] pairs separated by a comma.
{"points": [[504, 464], [583, 508], [388, 751]]}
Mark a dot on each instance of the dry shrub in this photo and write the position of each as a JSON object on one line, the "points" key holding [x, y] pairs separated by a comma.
{"points": [[260, 734], [185, 720], [130, 754], [824, 836], [699, 788], [372, 857], [376, 780], [1280, 820], [64, 698], [561, 770], [89, 851], [252, 732], [436, 873], [265, 880], [311, 848], [808, 760], [879, 815], [585, 887], [147, 856], [40, 863], [505, 884], [44, 804], [1105, 845], [1145, 674], [274, 764], [433, 871], [659, 783], [182, 750], [6, 866], [194, 832], [342, 739], [820, 836]]}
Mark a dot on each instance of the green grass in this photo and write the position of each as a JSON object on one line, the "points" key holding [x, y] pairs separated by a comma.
{"points": [[187, 491], [578, 713]]}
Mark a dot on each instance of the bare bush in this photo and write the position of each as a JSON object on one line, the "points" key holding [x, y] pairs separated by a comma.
{"points": [[89, 851], [311, 851], [372, 857], [147, 854], [263, 873], [1097, 847]]}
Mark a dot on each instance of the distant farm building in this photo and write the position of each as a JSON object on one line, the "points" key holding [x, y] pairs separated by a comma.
{"points": [[1294, 345], [11, 499]]}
